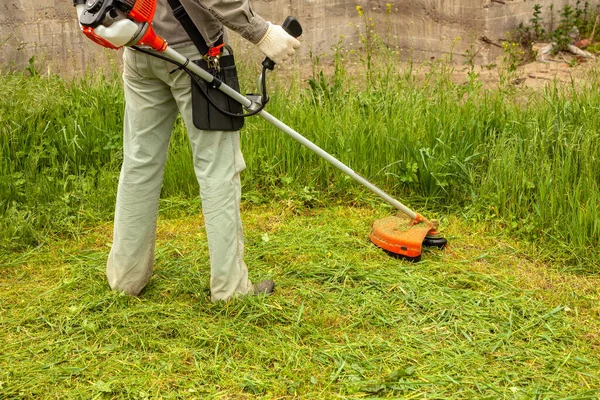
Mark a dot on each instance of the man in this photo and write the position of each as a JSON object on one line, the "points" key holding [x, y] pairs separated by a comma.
{"points": [[154, 95]]}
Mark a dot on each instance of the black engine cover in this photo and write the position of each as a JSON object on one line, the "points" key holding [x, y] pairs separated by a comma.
{"points": [[98, 11]]}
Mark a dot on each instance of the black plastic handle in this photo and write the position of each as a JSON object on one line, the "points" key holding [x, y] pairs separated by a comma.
{"points": [[292, 26]]}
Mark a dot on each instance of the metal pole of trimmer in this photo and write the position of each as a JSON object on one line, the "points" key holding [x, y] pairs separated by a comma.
{"points": [[292, 26]]}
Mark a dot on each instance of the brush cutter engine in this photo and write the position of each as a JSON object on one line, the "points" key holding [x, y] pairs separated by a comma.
{"points": [[117, 23]]}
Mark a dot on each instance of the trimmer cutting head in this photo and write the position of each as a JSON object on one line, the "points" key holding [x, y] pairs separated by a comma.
{"points": [[405, 237]]}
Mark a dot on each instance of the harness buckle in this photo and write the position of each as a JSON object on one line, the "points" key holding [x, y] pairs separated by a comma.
{"points": [[212, 57], [215, 51]]}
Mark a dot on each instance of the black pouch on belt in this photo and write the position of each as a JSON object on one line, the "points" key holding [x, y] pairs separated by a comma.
{"points": [[205, 115]]}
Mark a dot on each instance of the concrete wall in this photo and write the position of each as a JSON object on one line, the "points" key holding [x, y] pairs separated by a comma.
{"points": [[424, 29], [48, 30], [429, 29]]}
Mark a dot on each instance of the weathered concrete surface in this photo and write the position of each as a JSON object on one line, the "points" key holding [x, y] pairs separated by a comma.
{"points": [[48, 30], [431, 29], [422, 29]]}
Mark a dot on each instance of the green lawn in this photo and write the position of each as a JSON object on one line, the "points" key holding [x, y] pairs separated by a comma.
{"points": [[484, 319]]}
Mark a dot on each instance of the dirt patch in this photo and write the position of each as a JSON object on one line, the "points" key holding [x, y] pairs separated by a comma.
{"points": [[564, 68]]}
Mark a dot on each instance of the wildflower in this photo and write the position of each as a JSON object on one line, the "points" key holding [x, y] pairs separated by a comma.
{"points": [[359, 10]]}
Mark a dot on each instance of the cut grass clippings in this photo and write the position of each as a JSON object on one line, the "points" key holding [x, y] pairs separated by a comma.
{"points": [[484, 320]]}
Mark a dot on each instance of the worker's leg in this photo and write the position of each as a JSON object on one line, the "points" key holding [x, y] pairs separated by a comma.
{"points": [[150, 113], [218, 162]]}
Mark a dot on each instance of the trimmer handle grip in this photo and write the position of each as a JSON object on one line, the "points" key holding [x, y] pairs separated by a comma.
{"points": [[292, 26]]}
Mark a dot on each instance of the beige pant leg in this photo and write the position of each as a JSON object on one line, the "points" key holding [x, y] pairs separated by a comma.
{"points": [[218, 162], [150, 113], [154, 95]]}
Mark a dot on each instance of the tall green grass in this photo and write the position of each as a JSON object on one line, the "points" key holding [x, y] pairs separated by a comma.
{"points": [[527, 160], [60, 143]]}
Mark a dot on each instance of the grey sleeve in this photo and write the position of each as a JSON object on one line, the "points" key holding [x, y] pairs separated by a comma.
{"points": [[238, 16]]}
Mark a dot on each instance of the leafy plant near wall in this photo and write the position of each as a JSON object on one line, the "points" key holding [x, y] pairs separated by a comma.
{"points": [[537, 28], [574, 22], [513, 55], [566, 30]]}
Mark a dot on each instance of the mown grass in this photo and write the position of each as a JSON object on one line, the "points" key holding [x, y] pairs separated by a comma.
{"points": [[485, 320], [527, 160]]}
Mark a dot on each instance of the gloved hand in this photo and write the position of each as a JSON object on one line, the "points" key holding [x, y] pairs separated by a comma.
{"points": [[278, 45]]}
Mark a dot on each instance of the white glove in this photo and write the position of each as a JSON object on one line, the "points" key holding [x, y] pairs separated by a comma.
{"points": [[277, 44]]}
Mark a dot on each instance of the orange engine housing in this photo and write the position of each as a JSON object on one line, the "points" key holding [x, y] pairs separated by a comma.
{"points": [[89, 32], [140, 11], [143, 10]]}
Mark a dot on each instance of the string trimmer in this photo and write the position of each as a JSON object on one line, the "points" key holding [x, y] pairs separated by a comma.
{"points": [[118, 23]]}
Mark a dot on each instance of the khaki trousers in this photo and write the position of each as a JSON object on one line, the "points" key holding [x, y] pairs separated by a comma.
{"points": [[154, 97]]}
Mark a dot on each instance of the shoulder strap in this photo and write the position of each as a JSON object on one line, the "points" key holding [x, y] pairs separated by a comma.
{"points": [[190, 28]]}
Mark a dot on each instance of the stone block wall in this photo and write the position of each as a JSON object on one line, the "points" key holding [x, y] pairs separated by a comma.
{"points": [[423, 29]]}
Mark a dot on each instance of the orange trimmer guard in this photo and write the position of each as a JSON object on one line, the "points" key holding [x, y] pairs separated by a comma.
{"points": [[402, 235]]}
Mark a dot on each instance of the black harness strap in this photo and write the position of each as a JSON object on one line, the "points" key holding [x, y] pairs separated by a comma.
{"points": [[190, 28]]}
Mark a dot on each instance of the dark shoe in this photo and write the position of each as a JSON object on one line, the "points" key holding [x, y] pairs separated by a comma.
{"points": [[264, 287]]}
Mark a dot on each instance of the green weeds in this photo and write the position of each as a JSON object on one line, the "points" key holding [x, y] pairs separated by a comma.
{"points": [[60, 143], [574, 23], [527, 160]]}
